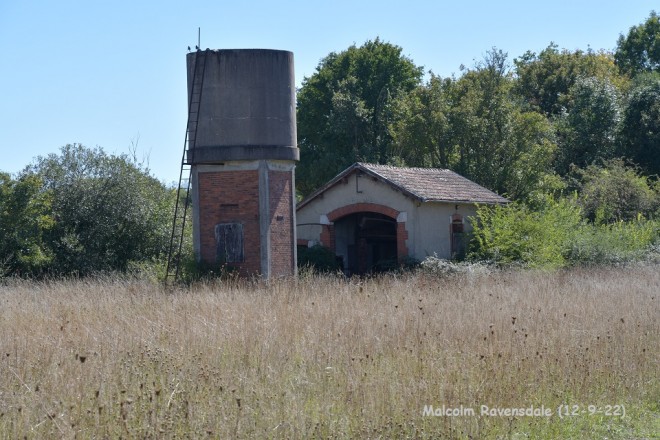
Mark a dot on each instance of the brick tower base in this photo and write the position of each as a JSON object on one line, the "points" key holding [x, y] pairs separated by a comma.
{"points": [[244, 216]]}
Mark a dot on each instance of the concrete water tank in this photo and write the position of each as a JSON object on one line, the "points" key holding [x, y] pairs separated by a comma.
{"points": [[248, 106], [242, 152]]}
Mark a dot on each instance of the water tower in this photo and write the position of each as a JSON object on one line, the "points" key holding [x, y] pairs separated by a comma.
{"points": [[242, 152]]}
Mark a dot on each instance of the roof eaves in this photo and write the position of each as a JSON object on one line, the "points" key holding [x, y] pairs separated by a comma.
{"points": [[481, 201]]}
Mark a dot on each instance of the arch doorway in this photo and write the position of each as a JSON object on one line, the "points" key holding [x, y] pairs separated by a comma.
{"points": [[366, 242]]}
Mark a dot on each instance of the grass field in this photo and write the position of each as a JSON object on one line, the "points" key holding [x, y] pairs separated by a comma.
{"points": [[333, 358]]}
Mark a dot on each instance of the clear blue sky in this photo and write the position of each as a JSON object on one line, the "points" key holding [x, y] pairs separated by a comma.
{"points": [[112, 73]]}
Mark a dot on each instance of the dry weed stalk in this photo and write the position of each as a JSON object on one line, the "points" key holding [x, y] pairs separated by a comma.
{"points": [[317, 357]]}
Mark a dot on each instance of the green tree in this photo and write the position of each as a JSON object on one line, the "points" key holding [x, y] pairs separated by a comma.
{"points": [[479, 114], [421, 126], [544, 80], [345, 109], [640, 126], [25, 218], [494, 141], [108, 210], [589, 125], [528, 155], [639, 51], [475, 125], [615, 192]]}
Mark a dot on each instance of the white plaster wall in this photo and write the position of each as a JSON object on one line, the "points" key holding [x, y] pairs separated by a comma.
{"points": [[432, 225], [427, 223]]}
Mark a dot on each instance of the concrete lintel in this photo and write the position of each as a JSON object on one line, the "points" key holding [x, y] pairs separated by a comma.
{"points": [[245, 165], [281, 165]]}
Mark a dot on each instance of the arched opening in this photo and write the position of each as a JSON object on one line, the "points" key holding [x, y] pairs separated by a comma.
{"points": [[366, 242]]}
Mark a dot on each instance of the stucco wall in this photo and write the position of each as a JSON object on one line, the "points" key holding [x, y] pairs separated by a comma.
{"points": [[427, 224], [432, 226]]}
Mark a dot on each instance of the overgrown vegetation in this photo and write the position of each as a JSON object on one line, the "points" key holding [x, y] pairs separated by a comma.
{"points": [[83, 211], [556, 235], [323, 357], [517, 234], [573, 137], [615, 192], [318, 258], [507, 126]]}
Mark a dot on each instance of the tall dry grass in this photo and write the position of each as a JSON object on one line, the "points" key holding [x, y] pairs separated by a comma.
{"points": [[331, 358]]}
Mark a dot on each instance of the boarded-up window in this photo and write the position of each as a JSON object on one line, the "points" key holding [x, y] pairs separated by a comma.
{"points": [[457, 237], [229, 242]]}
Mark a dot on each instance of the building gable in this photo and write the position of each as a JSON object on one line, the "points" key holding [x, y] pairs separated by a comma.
{"points": [[371, 213], [421, 184]]}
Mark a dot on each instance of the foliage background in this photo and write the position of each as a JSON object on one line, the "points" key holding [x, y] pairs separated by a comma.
{"points": [[573, 137], [82, 211]]}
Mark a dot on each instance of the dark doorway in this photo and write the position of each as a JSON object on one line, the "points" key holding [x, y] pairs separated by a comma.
{"points": [[457, 237], [366, 242]]}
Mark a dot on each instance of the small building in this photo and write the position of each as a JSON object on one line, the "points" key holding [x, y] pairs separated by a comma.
{"points": [[374, 216]]}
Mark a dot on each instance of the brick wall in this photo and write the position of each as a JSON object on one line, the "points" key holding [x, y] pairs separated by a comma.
{"points": [[281, 223], [230, 197], [327, 237], [401, 237]]}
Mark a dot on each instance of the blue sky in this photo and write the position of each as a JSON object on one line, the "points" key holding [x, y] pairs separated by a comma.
{"points": [[112, 73]]}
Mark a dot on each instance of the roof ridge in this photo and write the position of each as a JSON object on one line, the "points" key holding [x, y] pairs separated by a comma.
{"points": [[367, 165]]}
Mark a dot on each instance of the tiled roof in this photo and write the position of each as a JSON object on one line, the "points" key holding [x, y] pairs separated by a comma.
{"points": [[434, 184], [424, 184]]}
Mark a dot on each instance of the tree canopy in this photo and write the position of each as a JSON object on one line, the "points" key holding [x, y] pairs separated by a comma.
{"points": [[345, 109], [639, 135], [82, 211], [535, 130], [588, 125], [25, 220], [639, 51], [512, 128], [544, 80]]}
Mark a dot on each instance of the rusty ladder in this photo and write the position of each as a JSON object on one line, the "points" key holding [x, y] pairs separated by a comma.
{"points": [[173, 269]]}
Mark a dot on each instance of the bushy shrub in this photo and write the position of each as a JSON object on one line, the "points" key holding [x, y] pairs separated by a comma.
{"points": [[615, 192], [556, 235], [192, 271], [515, 234], [613, 243], [318, 257], [83, 211], [437, 266], [25, 222]]}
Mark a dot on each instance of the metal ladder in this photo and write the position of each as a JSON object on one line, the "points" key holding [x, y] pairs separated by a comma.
{"points": [[173, 269]]}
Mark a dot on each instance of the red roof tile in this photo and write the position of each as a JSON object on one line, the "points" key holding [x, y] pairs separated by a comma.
{"points": [[434, 184], [424, 184]]}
